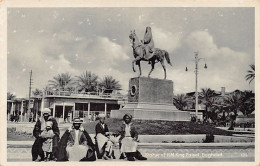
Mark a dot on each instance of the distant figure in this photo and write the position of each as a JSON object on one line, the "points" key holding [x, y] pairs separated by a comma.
{"points": [[48, 134], [104, 140], [128, 141], [76, 144], [39, 127]]}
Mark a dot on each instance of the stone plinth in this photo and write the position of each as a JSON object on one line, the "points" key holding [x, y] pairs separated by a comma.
{"points": [[151, 99], [149, 90]]}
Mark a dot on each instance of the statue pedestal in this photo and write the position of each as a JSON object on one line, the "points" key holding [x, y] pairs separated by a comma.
{"points": [[151, 99]]}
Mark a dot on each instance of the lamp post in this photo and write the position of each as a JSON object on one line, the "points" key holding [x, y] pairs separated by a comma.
{"points": [[196, 60]]}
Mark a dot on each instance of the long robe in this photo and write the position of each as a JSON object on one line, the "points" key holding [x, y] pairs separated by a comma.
{"points": [[37, 145], [148, 43], [67, 146], [100, 139], [128, 138]]}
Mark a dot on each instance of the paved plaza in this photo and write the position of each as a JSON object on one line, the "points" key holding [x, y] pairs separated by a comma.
{"points": [[21, 151]]}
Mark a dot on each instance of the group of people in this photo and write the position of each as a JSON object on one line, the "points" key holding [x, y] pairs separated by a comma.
{"points": [[77, 145]]}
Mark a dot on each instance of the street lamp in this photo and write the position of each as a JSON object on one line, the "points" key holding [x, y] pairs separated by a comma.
{"points": [[196, 60]]}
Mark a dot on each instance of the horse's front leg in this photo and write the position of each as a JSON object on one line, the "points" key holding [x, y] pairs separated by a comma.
{"points": [[133, 64], [140, 70], [136, 61]]}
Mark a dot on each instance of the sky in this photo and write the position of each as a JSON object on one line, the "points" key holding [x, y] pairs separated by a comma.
{"points": [[50, 41]]}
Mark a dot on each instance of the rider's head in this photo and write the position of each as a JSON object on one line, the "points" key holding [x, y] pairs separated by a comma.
{"points": [[148, 29], [148, 35]]}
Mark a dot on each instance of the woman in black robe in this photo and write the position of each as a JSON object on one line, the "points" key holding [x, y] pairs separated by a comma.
{"points": [[38, 128]]}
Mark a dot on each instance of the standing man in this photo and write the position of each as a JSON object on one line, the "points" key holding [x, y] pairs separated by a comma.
{"points": [[38, 128], [76, 144]]}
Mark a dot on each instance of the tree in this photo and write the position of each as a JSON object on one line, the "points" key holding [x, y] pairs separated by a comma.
{"points": [[37, 92], [250, 74], [180, 101], [61, 82], [87, 82], [10, 96], [208, 100], [233, 102], [248, 102], [108, 82]]}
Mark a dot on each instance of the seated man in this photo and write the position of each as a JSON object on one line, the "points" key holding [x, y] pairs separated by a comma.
{"points": [[38, 129], [104, 140], [129, 140], [76, 144]]}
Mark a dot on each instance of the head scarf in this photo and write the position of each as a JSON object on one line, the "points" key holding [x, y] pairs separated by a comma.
{"points": [[148, 35]]}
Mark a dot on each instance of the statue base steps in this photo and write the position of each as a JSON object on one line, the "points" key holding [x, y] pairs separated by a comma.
{"points": [[150, 111]]}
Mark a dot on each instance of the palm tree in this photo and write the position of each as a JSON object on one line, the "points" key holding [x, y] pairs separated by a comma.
{"points": [[61, 81], [87, 82], [248, 102], [10, 96], [108, 82], [37, 92], [250, 73], [207, 99], [180, 101], [233, 102]]}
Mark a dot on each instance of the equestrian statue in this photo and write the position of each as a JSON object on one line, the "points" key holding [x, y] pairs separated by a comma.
{"points": [[144, 51]]}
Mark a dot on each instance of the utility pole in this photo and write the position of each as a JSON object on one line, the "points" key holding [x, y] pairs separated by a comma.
{"points": [[30, 88], [196, 84]]}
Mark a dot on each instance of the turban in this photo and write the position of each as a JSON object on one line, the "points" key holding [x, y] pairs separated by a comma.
{"points": [[46, 111]]}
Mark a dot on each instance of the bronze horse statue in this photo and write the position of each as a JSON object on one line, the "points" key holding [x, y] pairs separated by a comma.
{"points": [[139, 55]]}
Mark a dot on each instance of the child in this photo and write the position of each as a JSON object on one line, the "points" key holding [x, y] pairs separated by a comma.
{"points": [[47, 134]]}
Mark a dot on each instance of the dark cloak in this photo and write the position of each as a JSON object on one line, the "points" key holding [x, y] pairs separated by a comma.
{"points": [[37, 145], [90, 156]]}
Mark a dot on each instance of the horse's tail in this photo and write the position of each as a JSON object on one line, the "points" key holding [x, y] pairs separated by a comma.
{"points": [[167, 57]]}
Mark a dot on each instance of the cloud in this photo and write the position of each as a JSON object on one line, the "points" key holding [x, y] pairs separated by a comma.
{"points": [[226, 67], [165, 40], [104, 57], [106, 50], [21, 60]]}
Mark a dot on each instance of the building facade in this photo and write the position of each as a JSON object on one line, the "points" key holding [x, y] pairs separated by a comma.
{"points": [[64, 106]]}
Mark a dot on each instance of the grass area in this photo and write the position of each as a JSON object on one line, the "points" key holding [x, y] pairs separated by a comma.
{"points": [[15, 137], [144, 127], [160, 127]]}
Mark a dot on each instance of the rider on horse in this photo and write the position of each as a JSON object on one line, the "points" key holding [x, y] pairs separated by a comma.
{"points": [[148, 43]]}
